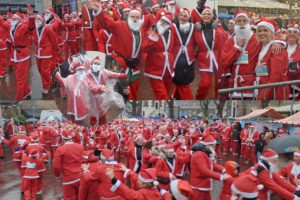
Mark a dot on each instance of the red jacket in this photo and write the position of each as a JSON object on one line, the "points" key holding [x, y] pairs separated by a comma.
{"points": [[70, 32], [3, 39], [32, 167], [87, 22], [160, 58], [67, 160], [46, 43], [203, 171], [57, 27], [104, 42], [195, 16], [287, 172]]}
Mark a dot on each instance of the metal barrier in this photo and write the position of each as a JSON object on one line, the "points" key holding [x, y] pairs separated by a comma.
{"points": [[262, 86]]}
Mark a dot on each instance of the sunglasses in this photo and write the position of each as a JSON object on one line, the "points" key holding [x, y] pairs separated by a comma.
{"points": [[293, 31]]}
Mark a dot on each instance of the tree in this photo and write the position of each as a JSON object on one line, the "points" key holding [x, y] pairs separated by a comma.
{"points": [[171, 108], [135, 107], [220, 106], [204, 106]]}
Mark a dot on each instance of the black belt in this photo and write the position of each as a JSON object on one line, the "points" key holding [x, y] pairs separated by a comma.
{"points": [[18, 47]]}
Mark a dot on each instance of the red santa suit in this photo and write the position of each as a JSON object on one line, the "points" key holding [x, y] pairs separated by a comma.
{"points": [[183, 44], [46, 50], [67, 161], [293, 72], [3, 51], [78, 24], [226, 139], [243, 138], [11, 129], [196, 16], [202, 172], [104, 42], [159, 65], [87, 25], [70, 38], [129, 50], [208, 60], [20, 55], [252, 137], [291, 171]]}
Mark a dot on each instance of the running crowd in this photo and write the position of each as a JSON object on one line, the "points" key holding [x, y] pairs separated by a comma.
{"points": [[163, 41], [149, 159]]}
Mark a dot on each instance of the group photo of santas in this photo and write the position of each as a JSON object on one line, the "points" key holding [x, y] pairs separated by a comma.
{"points": [[153, 150], [168, 50]]}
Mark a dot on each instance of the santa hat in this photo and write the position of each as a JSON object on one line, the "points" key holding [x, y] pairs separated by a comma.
{"points": [[252, 125], [270, 24], [168, 17], [74, 66], [89, 157], [269, 154], [136, 10], [22, 129], [181, 189], [39, 16], [34, 137], [231, 166], [169, 148], [148, 176], [240, 12], [209, 140], [247, 186], [185, 10], [66, 134], [125, 7], [297, 153], [168, 2], [18, 15], [34, 152], [207, 9], [107, 155], [138, 137], [50, 10], [293, 27], [155, 4]]}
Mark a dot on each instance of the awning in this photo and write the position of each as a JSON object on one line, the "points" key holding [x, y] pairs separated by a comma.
{"points": [[293, 120], [266, 112]]}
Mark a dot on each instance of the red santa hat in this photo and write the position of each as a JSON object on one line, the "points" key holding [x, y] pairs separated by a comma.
{"points": [[181, 189], [186, 11], [155, 4], [22, 129], [270, 24], [207, 9], [293, 27], [247, 186], [125, 7], [297, 153], [89, 157], [50, 10], [240, 12], [34, 152], [18, 15], [107, 155], [230, 167], [169, 148], [76, 66], [208, 140], [66, 134], [269, 154], [168, 2], [168, 17], [34, 137], [136, 10], [148, 176]]}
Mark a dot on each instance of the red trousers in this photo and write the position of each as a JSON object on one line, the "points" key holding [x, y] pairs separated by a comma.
{"points": [[71, 191], [234, 146], [243, 150], [78, 45], [133, 87], [90, 41], [205, 84], [1, 150], [183, 92], [250, 154], [201, 195], [69, 49], [45, 66], [218, 151], [225, 145], [21, 70], [3, 62], [29, 186], [161, 88], [40, 182]]}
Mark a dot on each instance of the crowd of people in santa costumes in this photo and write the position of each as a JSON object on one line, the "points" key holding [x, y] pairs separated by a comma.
{"points": [[161, 159]]}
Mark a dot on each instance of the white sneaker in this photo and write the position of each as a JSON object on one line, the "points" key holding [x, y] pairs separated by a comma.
{"points": [[27, 95], [45, 91]]}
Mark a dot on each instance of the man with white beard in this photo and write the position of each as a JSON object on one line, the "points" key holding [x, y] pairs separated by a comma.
{"points": [[265, 171], [171, 7], [159, 65], [127, 39], [292, 170], [184, 56], [239, 55]]}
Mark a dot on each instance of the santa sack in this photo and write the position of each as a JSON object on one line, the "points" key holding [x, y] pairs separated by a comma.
{"points": [[113, 99], [184, 73]]}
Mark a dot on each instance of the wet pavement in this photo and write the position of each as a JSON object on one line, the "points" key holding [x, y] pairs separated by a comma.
{"points": [[52, 190]]}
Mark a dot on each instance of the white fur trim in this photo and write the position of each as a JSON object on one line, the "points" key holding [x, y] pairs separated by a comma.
{"points": [[115, 186], [71, 182], [126, 9], [97, 12], [145, 180], [209, 143], [244, 194], [166, 19], [266, 24], [242, 14], [169, 2], [269, 158], [175, 191], [153, 38], [126, 173], [155, 6], [169, 150]]}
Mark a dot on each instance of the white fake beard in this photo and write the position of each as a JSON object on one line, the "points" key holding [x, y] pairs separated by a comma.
{"points": [[47, 16], [171, 9], [185, 27], [97, 68], [38, 24], [161, 29], [244, 33], [213, 153], [80, 74], [295, 170], [135, 26], [274, 168]]}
